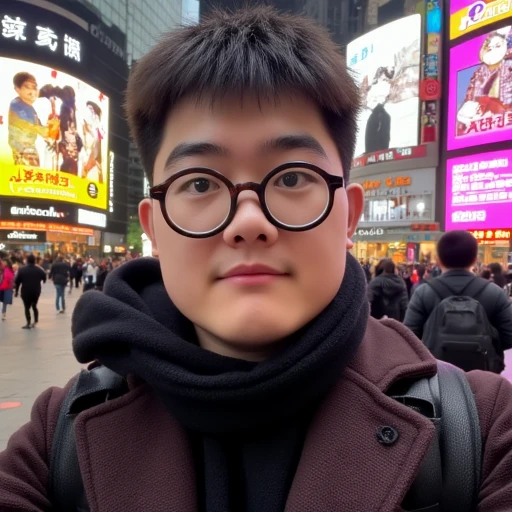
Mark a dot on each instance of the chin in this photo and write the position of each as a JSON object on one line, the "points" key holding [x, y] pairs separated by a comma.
{"points": [[258, 329]]}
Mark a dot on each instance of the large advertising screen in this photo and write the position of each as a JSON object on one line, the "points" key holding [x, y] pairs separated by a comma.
{"points": [[387, 69], [468, 15], [53, 136], [480, 91], [479, 191]]}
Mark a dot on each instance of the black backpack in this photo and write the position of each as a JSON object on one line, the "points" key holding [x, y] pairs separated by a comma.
{"points": [[448, 479], [458, 330]]}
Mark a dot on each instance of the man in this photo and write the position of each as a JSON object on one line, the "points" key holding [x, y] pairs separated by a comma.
{"points": [[387, 293], [457, 253], [29, 278], [60, 273], [24, 124], [257, 380]]}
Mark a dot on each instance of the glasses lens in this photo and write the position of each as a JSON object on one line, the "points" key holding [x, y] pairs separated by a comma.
{"points": [[197, 202], [297, 197]]}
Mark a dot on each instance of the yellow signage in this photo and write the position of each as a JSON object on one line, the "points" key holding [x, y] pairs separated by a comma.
{"points": [[53, 136], [37, 183], [478, 14]]}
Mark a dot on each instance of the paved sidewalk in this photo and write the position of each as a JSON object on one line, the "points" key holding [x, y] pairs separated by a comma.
{"points": [[33, 360]]}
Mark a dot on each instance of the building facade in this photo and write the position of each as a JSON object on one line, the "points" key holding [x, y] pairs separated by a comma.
{"points": [[63, 138], [143, 21]]}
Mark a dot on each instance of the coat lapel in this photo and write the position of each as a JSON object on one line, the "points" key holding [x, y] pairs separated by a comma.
{"points": [[343, 465], [134, 456]]}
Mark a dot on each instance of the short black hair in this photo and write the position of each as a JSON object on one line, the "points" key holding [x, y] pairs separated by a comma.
{"points": [[31, 259], [388, 266], [20, 78], [421, 270], [254, 50], [457, 250]]}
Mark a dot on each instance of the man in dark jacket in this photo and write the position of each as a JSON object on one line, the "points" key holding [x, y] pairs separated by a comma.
{"points": [[457, 254], [387, 293], [60, 273], [29, 278], [256, 381]]}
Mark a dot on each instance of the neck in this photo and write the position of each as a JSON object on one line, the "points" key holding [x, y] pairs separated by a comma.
{"points": [[212, 343], [467, 269]]}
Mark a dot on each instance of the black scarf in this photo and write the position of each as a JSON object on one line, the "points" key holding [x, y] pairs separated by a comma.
{"points": [[134, 328]]}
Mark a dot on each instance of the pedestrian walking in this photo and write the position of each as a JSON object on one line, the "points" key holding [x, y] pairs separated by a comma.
{"points": [[6, 285], [462, 318], [59, 274], [387, 293], [29, 279], [90, 274]]}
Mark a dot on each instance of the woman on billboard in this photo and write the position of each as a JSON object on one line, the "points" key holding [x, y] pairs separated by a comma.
{"points": [[93, 135], [489, 91]]}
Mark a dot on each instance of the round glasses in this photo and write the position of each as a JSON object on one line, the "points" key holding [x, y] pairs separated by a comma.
{"points": [[200, 202]]}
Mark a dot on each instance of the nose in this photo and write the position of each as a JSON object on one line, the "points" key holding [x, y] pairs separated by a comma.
{"points": [[249, 225]]}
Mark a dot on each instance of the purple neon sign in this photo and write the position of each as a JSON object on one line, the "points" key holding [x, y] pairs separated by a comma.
{"points": [[479, 191]]}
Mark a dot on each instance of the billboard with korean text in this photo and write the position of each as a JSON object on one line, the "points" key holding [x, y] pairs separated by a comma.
{"points": [[469, 15], [479, 191], [480, 91], [53, 136], [387, 69]]}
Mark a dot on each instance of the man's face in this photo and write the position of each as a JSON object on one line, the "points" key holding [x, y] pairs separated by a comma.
{"points": [[234, 316], [494, 51], [28, 91]]}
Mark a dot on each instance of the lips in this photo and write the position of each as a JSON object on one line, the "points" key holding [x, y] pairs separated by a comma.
{"points": [[252, 270]]}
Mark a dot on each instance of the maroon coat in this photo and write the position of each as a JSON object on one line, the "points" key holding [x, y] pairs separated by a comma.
{"points": [[135, 457]]}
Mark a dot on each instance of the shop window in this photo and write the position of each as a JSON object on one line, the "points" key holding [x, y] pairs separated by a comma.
{"points": [[398, 209]]}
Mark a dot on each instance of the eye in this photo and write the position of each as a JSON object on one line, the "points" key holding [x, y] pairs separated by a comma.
{"points": [[294, 180], [200, 186]]}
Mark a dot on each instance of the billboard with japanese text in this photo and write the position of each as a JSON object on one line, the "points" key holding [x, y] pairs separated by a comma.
{"points": [[479, 191], [469, 15], [480, 91], [53, 136], [387, 69]]}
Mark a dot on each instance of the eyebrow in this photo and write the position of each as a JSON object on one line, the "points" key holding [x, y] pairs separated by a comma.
{"points": [[282, 143], [295, 141]]}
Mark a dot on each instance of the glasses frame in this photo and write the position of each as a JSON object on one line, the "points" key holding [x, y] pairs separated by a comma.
{"points": [[159, 193]]}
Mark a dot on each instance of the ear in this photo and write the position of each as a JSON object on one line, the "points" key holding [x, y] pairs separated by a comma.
{"points": [[146, 220], [355, 196]]}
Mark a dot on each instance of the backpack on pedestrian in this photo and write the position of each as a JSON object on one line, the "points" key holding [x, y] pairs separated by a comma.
{"points": [[458, 331]]}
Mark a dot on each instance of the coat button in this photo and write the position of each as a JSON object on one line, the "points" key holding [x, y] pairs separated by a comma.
{"points": [[387, 435]]}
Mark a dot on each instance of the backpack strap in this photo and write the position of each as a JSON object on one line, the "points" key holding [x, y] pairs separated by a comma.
{"points": [[475, 287], [441, 289], [92, 388], [449, 477]]}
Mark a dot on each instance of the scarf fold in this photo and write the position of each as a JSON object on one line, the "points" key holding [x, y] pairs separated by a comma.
{"points": [[132, 327]]}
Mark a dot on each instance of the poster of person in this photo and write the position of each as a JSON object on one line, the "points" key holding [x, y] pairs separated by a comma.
{"points": [[387, 69], [480, 90], [53, 135]]}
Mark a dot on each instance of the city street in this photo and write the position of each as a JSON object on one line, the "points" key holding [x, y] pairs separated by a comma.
{"points": [[33, 360]]}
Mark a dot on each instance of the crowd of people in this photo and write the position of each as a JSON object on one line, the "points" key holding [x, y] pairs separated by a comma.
{"points": [[23, 273], [411, 294]]}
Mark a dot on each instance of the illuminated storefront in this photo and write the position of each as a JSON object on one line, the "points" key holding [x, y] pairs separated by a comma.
{"points": [[399, 217], [494, 245]]}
